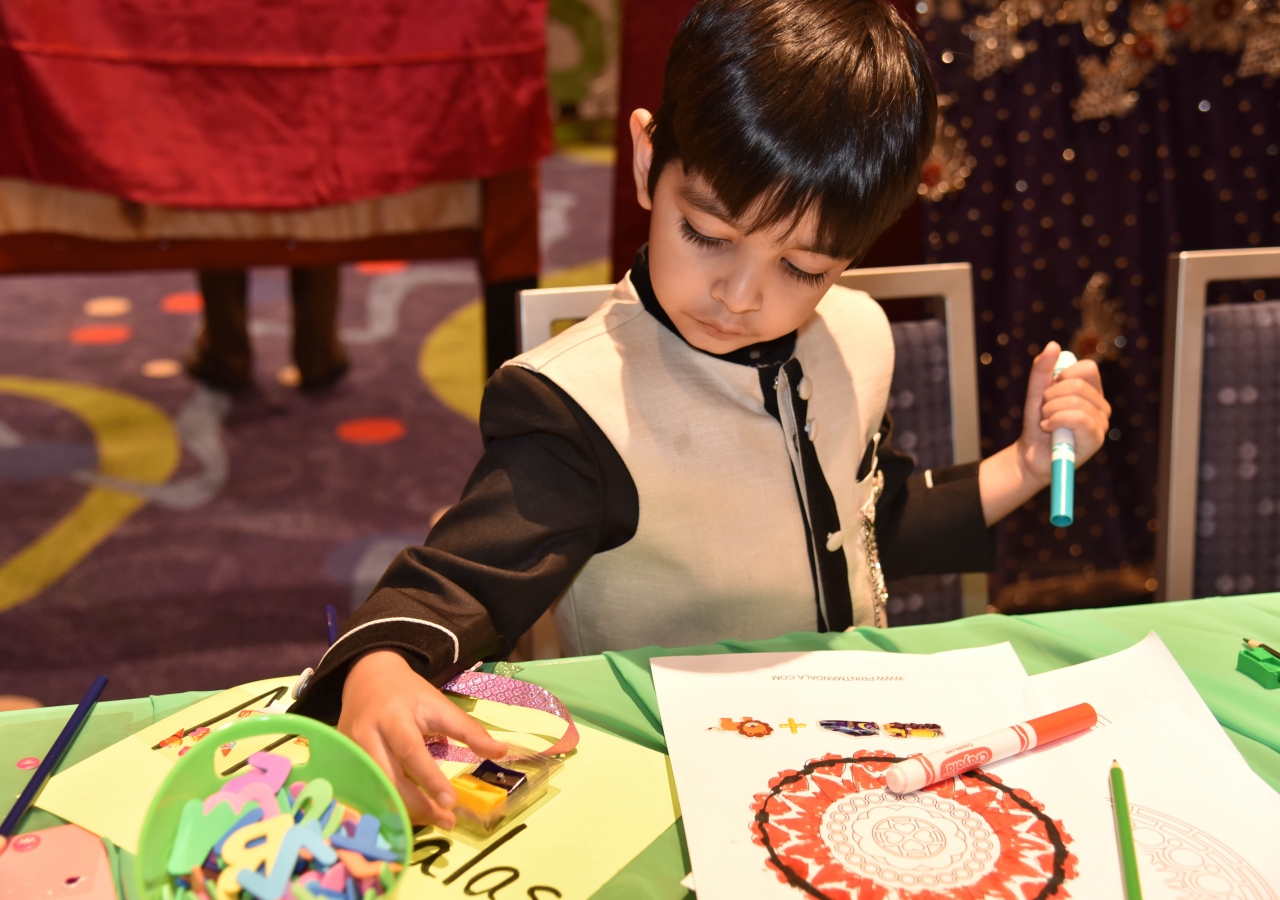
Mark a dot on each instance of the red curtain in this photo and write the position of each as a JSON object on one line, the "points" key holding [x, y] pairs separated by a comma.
{"points": [[240, 103]]}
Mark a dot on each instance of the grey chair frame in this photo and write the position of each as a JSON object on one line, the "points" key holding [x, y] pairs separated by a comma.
{"points": [[537, 308], [1186, 297], [952, 282]]}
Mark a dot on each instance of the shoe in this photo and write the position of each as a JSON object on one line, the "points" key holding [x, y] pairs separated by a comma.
{"points": [[327, 380], [216, 374]]}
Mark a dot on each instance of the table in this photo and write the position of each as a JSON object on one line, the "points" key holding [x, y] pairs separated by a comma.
{"points": [[615, 692]]}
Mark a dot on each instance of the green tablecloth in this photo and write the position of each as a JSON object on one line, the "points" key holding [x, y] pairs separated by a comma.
{"points": [[615, 692]]}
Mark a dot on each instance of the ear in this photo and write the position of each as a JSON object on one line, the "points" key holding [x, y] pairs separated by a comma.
{"points": [[641, 155]]}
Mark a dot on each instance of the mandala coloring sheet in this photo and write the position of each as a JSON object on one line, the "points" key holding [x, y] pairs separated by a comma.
{"points": [[1197, 836], [779, 762], [772, 798], [1135, 680]]}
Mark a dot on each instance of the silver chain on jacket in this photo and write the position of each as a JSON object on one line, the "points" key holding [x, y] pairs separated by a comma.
{"points": [[879, 593]]}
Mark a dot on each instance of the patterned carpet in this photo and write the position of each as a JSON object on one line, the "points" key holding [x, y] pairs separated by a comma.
{"points": [[174, 539]]}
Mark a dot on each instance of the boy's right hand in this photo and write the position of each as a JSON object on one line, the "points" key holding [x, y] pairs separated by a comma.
{"points": [[387, 708]]}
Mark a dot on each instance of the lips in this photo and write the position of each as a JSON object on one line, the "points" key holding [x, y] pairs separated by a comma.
{"points": [[718, 332]]}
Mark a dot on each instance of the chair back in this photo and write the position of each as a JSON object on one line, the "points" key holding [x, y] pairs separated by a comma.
{"points": [[920, 395], [933, 398], [926, 350], [934, 403], [1218, 485], [542, 313]]}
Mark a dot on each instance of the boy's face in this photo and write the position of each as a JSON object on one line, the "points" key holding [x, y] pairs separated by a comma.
{"points": [[725, 289]]}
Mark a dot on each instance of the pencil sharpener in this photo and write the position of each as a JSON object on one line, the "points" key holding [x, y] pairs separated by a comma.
{"points": [[492, 793], [1261, 666], [491, 773]]}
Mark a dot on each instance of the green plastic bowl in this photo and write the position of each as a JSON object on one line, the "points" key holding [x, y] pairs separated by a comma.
{"points": [[357, 781]]}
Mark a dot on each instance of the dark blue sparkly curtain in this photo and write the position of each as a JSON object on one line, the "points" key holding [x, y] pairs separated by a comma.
{"points": [[1051, 203]]}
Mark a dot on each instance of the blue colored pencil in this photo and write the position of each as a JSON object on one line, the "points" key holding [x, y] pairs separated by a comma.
{"points": [[50, 762], [331, 620]]}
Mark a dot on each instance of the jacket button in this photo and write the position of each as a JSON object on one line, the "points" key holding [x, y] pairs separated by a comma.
{"points": [[811, 429], [805, 388], [301, 684], [835, 541]]}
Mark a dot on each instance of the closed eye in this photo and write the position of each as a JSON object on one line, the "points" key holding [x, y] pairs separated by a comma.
{"points": [[810, 278], [698, 238]]}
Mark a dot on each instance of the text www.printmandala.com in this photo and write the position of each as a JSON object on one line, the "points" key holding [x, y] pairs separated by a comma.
{"points": [[837, 677]]}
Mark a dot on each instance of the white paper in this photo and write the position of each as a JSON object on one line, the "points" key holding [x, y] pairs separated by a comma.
{"points": [[1205, 825], [1124, 683], [1197, 837], [719, 773], [1133, 681]]}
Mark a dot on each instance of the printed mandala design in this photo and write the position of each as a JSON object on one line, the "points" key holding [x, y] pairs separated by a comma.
{"points": [[833, 830], [1196, 865]]}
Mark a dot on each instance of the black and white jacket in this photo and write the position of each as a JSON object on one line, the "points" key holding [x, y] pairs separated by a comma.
{"points": [[669, 496]]}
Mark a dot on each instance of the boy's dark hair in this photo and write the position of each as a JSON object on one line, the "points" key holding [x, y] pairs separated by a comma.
{"points": [[795, 102]]}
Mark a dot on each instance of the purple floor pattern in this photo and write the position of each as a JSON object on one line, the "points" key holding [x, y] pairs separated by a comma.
{"points": [[223, 575]]}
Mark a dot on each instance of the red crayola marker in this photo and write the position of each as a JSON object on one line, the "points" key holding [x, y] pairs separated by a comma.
{"points": [[918, 772]]}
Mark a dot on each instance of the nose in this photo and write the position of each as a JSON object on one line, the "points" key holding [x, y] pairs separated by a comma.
{"points": [[739, 291]]}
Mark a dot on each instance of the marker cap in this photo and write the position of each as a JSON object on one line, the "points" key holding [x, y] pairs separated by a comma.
{"points": [[1063, 723], [902, 778], [1066, 359]]}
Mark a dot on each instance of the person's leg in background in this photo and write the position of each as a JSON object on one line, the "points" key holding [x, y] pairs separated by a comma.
{"points": [[317, 350], [222, 357]]}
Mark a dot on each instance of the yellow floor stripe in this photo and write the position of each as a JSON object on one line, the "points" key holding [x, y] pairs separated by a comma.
{"points": [[595, 272], [592, 154], [451, 361], [135, 440]]}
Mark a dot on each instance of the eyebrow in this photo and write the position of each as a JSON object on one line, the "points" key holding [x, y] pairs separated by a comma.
{"points": [[705, 201]]}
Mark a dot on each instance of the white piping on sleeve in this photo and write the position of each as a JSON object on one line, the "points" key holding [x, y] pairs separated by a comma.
{"points": [[453, 637]]}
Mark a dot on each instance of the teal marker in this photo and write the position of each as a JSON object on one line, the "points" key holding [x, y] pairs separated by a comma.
{"points": [[1062, 489]]}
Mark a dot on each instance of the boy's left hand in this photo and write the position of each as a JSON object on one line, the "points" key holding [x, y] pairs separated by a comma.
{"points": [[1074, 401]]}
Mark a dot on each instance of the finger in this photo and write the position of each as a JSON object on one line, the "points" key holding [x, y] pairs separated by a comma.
{"points": [[1074, 401], [1041, 374], [1083, 414], [416, 803], [1076, 386], [1085, 370], [1085, 404], [421, 808], [1076, 421], [411, 752], [458, 725], [376, 747]]}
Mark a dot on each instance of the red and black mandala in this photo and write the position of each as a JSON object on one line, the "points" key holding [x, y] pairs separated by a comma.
{"points": [[833, 830]]}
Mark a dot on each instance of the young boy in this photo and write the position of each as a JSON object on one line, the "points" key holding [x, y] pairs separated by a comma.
{"points": [[706, 456]]}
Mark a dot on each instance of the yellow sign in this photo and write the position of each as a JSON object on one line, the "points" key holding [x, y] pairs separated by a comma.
{"points": [[611, 799]]}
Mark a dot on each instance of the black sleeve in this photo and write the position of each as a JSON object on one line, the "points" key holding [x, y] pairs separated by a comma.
{"points": [[924, 530], [548, 493]]}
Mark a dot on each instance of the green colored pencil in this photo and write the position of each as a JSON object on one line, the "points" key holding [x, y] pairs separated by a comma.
{"points": [[1124, 833]]}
